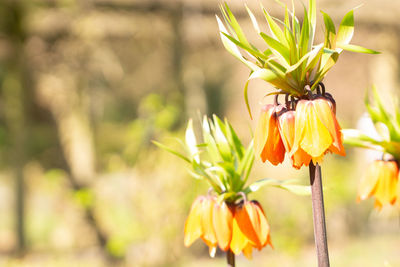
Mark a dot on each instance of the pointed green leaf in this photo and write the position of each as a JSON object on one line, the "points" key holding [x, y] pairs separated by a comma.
{"points": [[346, 29], [190, 139], [212, 148], [330, 31], [252, 51], [170, 150], [304, 36], [246, 163], [234, 140], [236, 27], [275, 30], [231, 47], [253, 19], [277, 49], [311, 54], [312, 18], [221, 140], [261, 183], [300, 190], [356, 48]]}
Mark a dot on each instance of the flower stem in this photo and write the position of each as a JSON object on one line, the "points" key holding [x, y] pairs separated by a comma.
{"points": [[230, 258], [317, 198]]}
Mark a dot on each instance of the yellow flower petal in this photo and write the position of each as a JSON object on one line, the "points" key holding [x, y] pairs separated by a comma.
{"points": [[261, 225], [287, 131], [328, 118], [193, 228], [239, 240], [247, 218], [208, 235], [267, 139], [387, 184], [261, 133], [369, 182], [317, 138], [247, 251], [222, 220]]}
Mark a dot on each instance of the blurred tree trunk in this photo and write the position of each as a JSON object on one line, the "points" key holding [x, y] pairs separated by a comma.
{"points": [[15, 93]]}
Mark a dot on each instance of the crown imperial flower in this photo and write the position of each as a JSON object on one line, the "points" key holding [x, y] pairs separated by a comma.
{"points": [[239, 227], [317, 130]]}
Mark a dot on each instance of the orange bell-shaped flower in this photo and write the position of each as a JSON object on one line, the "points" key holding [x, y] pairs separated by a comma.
{"points": [[317, 130], [268, 143], [250, 229], [287, 130], [380, 181]]}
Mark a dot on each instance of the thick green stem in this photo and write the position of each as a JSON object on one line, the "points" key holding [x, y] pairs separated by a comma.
{"points": [[317, 198]]}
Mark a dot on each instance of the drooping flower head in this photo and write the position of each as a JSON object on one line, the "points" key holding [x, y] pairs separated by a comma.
{"points": [[305, 128], [239, 226], [317, 130], [380, 181]]}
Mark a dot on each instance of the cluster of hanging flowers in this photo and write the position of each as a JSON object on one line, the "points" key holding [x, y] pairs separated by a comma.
{"points": [[225, 218], [305, 128], [238, 227], [381, 176]]}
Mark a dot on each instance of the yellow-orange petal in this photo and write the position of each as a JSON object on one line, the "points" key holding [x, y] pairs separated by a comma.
{"points": [[387, 183], [286, 128], [193, 228], [328, 118], [287, 131], [317, 139], [222, 220], [239, 240], [299, 126], [247, 251], [369, 182], [267, 139], [300, 158], [246, 217], [208, 233], [261, 225], [262, 129], [274, 149]]}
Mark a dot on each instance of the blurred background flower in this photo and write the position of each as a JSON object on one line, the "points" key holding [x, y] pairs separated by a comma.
{"points": [[85, 87]]}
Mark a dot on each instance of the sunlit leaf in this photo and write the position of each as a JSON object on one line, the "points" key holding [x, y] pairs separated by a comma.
{"points": [[356, 48], [212, 148], [301, 190], [253, 19], [312, 18], [346, 29], [274, 28], [304, 35], [281, 51], [191, 142], [252, 51], [170, 150], [231, 47], [330, 31], [287, 185]]}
